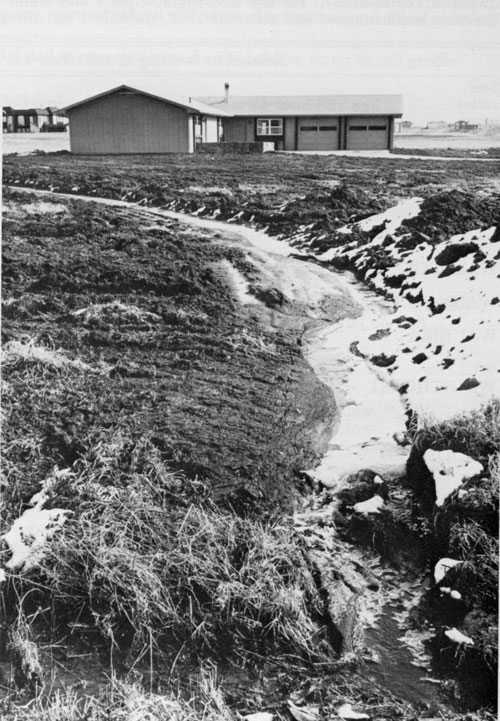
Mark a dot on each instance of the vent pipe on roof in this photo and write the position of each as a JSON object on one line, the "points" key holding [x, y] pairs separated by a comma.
{"points": [[226, 92]]}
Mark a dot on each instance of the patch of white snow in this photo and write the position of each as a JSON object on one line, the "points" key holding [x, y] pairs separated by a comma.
{"points": [[458, 637], [449, 470], [372, 505], [346, 711], [30, 532], [442, 567]]}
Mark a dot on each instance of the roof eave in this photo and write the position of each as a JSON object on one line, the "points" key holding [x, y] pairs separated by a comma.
{"points": [[185, 106]]}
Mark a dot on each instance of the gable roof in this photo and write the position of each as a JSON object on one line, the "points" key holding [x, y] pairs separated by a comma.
{"points": [[281, 105], [190, 106]]}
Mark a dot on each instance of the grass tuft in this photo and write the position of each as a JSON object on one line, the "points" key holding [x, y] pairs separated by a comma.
{"points": [[125, 701], [154, 561]]}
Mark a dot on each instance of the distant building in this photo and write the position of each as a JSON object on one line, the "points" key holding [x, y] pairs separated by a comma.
{"points": [[32, 120], [463, 126], [403, 125], [436, 124]]}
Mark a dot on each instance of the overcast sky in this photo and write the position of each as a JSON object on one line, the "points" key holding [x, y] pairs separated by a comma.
{"points": [[443, 56]]}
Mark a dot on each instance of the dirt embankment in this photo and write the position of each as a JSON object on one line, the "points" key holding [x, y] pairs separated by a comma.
{"points": [[221, 397]]}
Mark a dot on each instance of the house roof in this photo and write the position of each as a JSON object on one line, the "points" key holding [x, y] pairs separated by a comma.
{"points": [[29, 111], [282, 105], [190, 106]]}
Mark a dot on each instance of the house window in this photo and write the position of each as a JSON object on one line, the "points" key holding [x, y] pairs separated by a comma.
{"points": [[358, 127], [328, 127], [377, 127], [308, 127], [269, 126]]}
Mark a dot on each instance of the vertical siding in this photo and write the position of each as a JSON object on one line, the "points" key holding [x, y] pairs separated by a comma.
{"points": [[290, 130], [129, 124], [238, 130]]}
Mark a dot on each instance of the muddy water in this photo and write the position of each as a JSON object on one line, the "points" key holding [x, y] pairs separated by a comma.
{"points": [[370, 410]]}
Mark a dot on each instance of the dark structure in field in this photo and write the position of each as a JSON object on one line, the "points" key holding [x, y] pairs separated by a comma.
{"points": [[126, 120], [311, 122]]}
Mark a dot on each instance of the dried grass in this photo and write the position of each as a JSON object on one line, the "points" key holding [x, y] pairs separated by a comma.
{"points": [[476, 434], [16, 352], [123, 701], [115, 312], [153, 556]]}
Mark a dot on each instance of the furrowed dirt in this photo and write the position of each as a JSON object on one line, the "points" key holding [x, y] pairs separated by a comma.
{"points": [[222, 397]]}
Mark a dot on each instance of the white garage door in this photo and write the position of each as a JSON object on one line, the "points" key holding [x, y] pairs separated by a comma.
{"points": [[365, 133], [318, 134]]}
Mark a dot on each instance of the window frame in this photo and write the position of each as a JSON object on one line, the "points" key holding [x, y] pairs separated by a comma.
{"points": [[269, 126]]}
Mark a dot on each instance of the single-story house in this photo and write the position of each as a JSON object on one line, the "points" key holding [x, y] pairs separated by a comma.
{"points": [[311, 122], [127, 120]]}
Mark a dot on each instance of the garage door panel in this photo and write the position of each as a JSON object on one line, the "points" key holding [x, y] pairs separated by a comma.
{"points": [[367, 133], [318, 133]]}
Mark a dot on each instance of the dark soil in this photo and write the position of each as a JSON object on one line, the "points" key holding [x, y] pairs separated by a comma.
{"points": [[276, 191], [492, 152], [221, 397]]}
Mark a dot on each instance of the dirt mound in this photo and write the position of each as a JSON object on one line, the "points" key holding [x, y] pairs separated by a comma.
{"points": [[448, 213]]}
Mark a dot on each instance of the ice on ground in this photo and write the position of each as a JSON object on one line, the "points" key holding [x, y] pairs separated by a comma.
{"points": [[260, 716], [238, 283], [442, 567], [303, 713], [456, 595], [3, 576], [371, 410], [346, 711], [392, 218], [458, 637], [30, 532], [372, 505], [449, 470]]}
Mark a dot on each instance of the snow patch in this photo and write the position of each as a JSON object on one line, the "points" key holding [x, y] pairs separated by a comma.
{"points": [[442, 567], [449, 470], [458, 637], [35, 527], [346, 711], [452, 306], [372, 505]]}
